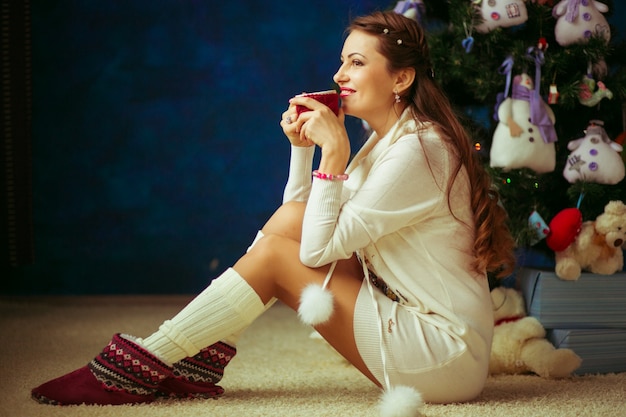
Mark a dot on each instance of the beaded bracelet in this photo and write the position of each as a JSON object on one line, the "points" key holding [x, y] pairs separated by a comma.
{"points": [[331, 177]]}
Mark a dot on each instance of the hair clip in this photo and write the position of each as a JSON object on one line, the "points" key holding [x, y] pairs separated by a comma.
{"points": [[386, 31]]}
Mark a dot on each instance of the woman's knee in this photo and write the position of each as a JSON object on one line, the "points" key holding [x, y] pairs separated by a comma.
{"points": [[286, 221], [266, 263], [273, 250], [273, 268]]}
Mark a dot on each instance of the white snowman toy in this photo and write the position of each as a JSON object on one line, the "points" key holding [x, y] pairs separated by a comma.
{"points": [[500, 13], [517, 142], [594, 158], [579, 20]]}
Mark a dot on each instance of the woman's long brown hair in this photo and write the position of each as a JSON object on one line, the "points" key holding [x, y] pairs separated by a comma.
{"points": [[493, 245]]}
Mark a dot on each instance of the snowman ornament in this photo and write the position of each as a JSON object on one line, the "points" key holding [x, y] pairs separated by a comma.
{"points": [[579, 20], [500, 13], [594, 157], [517, 141]]}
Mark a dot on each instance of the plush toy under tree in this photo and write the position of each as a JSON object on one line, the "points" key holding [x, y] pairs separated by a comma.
{"points": [[597, 246], [519, 345]]}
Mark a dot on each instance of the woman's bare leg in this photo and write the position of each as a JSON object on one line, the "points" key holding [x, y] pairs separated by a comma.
{"points": [[270, 269], [273, 269]]}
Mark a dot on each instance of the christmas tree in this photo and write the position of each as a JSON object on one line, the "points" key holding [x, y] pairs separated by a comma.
{"points": [[476, 58]]}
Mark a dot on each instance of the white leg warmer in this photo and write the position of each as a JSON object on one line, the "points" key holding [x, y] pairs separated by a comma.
{"points": [[234, 338], [224, 308]]}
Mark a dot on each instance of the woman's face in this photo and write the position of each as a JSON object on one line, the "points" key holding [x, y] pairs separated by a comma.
{"points": [[366, 84]]}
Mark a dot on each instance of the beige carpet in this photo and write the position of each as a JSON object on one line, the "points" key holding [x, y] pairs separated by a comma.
{"points": [[279, 370]]}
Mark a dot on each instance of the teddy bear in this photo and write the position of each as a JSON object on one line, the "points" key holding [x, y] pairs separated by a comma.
{"points": [[598, 246], [519, 344]]}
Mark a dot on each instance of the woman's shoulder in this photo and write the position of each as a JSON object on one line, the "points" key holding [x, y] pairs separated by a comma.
{"points": [[422, 135]]}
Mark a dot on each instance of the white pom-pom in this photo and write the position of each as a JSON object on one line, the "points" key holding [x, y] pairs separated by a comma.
{"points": [[401, 401], [316, 305]]}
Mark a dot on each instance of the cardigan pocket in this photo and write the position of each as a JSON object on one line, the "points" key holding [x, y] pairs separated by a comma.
{"points": [[414, 345]]}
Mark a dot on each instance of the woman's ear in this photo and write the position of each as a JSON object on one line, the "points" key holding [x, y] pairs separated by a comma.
{"points": [[405, 79]]}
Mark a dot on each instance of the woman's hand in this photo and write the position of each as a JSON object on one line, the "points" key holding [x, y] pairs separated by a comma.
{"points": [[292, 129], [321, 127]]}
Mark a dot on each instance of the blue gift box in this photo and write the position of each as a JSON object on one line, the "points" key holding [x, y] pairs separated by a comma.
{"points": [[602, 350], [592, 302]]}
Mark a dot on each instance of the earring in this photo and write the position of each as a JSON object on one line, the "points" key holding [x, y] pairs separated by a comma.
{"points": [[397, 97]]}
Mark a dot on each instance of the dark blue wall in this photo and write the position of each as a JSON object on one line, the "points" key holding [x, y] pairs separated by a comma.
{"points": [[157, 149]]}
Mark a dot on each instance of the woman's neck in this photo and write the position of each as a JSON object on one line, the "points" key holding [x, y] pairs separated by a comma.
{"points": [[382, 127]]}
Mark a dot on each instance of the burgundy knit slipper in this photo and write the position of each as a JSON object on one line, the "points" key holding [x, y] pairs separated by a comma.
{"points": [[82, 387], [180, 388]]}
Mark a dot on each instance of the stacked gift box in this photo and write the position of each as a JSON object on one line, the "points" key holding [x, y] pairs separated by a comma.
{"points": [[587, 315]]}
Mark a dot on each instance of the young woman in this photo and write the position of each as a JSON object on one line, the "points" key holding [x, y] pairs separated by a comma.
{"points": [[402, 237]]}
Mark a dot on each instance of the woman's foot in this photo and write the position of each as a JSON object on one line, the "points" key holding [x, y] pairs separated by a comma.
{"points": [[126, 373], [123, 373], [82, 387], [197, 376]]}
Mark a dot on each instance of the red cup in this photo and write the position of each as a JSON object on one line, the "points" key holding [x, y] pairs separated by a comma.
{"points": [[329, 97]]}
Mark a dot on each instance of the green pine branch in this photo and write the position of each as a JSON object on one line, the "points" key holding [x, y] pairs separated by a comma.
{"points": [[472, 80]]}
